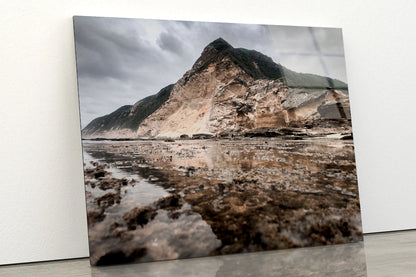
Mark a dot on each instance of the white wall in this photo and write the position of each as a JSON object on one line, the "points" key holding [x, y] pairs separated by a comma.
{"points": [[42, 209]]}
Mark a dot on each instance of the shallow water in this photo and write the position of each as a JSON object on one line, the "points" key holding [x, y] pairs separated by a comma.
{"points": [[163, 237], [236, 196]]}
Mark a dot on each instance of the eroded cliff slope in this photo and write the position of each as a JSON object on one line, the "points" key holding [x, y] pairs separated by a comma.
{"points": [[228, 91]]}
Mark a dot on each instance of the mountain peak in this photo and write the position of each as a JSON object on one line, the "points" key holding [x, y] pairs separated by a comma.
{"points": [[211, 51], [254, 63], [219, 44], [224, 83]]}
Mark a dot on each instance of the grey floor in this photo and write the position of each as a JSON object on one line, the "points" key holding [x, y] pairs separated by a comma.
{"points": [[384, 254]]}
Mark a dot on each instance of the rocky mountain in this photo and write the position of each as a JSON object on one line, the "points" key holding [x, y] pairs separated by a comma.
{"points": [[229, 91], [124, 122]]}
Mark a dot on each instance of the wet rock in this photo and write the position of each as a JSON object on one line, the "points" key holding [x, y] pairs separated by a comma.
{"points": [[288, 131], [263, 132], [88, 194], [225, 135], [108, 183], [202, 136], [88, 171], [114, 226], [119, 231], [95, 216], [108, 200], [120, 257], [184, 136], [347, 137], [286, 194], [139, 216], [169, 202], [113, 257], [174, 214], [124, 182], [99, 173]]}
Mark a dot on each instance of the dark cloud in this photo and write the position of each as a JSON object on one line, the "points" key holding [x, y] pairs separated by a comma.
{"points": [[170, 43], [110, 48], [120, 61]]}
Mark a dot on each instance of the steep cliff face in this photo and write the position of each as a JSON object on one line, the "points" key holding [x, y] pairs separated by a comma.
{"points": [[233, 91], [228, 90]]}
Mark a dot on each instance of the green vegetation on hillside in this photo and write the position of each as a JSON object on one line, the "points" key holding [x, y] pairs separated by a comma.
{"points": [[307, 80], [109, 120], [255, 64], [146, 107], [260, 66], [129, 116]]}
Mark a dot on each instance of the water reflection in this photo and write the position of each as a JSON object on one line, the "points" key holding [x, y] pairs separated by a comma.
{"points": [[156, 200], [335, 261]]}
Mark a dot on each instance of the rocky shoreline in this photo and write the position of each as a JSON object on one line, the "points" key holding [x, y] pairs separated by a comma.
{"points": [[336, 128], [260, 195]]}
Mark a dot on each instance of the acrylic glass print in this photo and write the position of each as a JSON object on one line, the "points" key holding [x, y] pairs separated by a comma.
{"points": [[213, 138]]}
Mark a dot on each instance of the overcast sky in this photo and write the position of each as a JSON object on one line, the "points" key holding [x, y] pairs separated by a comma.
{"points": [[120, 61]]}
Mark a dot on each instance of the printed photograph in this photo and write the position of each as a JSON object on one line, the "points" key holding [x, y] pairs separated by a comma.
{"points": [[205, 139]]}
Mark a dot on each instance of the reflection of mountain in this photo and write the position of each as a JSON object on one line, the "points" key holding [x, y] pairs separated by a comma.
{"points": [[250, 194], [228, 90]]}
